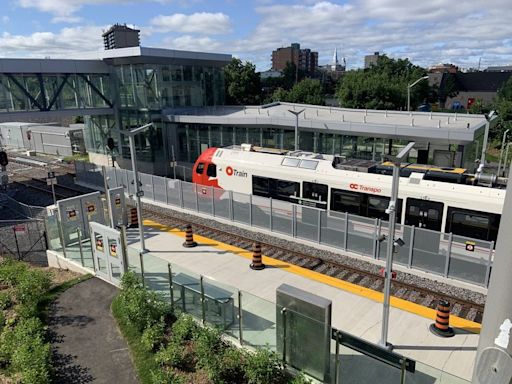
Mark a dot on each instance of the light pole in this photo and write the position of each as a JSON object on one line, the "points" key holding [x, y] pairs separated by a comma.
{"points": [[138, 192], [490, 117], [296, 126], [409, 86], [501, 152], [392, 242]]}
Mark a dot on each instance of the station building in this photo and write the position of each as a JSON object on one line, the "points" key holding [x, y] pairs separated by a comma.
{"points": [[182, 93]]}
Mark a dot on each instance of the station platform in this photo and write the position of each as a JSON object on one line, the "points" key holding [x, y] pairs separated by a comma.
{"points": [[355, 309]]}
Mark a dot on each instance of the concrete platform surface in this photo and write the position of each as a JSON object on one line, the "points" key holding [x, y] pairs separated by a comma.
{"points": [[358, 312]]}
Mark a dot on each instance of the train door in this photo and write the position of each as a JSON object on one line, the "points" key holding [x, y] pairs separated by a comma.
{"points": [[424, 214]]}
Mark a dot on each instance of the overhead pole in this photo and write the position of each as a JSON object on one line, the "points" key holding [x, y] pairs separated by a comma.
{"points": [[297, 113], [493, 364]]}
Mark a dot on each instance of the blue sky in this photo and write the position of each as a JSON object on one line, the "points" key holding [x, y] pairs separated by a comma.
{"points": [[428, 33]]}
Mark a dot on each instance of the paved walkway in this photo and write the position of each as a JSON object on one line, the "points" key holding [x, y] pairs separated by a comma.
{"points": [[88, 347]]}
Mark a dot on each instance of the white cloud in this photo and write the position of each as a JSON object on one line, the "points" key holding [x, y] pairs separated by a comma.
{"points": [[201, 22], [61, 44], [193, 43], [5, 19]]}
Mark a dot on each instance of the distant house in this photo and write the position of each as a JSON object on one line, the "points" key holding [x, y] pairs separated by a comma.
{"points": [[473, 86]]}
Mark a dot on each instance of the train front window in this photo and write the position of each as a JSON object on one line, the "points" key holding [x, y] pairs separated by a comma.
{"points": [[211, 170], [200, 168]]}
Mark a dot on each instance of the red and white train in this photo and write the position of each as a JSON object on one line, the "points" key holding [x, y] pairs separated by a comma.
{"points": [[441, 199]]}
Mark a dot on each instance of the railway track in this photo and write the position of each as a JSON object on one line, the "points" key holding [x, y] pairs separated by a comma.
{"points": [[61, 191], [405, 290]]}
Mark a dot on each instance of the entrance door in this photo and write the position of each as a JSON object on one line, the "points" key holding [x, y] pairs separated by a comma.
{"points": [[424, 214], [107, 253]]}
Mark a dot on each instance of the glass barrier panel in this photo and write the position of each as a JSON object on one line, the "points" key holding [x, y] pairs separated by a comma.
{"points": [[427, 253], [186, 291], [307, 221], [282, 220], [360, 238], [173, 192], [425, 374], [189, 195], [111, 177], [52, 228], [147, 185], [204, 199], [130, 183], [87, 254], [156, 274], [221, 306], [332, 229], [221, 202], [260, 212], [401, 255], [159, 189], [133, 259], [241, 208], [258, 321], [469, 259]]}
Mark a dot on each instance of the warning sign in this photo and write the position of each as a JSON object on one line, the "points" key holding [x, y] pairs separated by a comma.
{"points": [[71, 213], [91, 207], [20, 229], [113, 249], [99, 244], [470, 246], [117, 200]]}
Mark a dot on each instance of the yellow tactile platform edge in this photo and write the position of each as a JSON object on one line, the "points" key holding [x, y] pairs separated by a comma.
{"points": [[456, 322]]}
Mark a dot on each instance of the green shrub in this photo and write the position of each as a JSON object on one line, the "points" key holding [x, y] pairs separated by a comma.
{"points": [[32, 286], [5, 300], [264, 366], [300, 379], [174, 355], [139, 306], [208, 347], [11, 271], [32, 360], [153, 336], [2, 321], [184, 328], [161, 376], [230, 367]]}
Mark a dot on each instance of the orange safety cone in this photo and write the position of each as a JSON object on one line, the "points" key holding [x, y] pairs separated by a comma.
{"points": [[134, 219], [189, 237], [442, 325], [256, 264]]}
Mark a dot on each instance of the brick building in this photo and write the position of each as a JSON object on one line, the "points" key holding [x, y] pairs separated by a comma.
{"points": [[304, 59]]}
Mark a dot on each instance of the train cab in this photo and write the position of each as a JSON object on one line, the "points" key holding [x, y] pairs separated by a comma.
{"points": [[204, 171]]}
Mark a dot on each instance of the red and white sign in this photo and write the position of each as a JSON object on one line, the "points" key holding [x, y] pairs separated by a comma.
{"points": [[20, 228], [364, 188], [229, 171]]}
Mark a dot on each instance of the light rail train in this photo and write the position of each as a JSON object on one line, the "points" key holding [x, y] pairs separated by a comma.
{"points": [[440, 199]]}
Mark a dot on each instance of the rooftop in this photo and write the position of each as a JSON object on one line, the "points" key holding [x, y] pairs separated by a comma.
{"points": [[443, 128]]}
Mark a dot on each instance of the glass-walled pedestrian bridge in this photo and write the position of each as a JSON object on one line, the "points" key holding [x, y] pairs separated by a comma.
{"points": [[54, 88]]}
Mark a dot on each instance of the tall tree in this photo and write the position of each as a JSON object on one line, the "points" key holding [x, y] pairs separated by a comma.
{"points": [[308, 91], [503, 105], [383, 85], [243, 84]]}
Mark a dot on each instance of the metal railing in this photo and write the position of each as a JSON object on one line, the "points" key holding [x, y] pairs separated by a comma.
{"points": [[452, 256]]}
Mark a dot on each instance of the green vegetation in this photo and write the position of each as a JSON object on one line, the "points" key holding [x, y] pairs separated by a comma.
{"points": [[242, 83], [308, 91], [76, 157], [383, 86], [173, 348], [24, 296]]}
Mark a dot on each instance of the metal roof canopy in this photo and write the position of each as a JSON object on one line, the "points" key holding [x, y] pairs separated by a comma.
{"points": [[434, 127]]}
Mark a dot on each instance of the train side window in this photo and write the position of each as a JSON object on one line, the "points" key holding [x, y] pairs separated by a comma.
{"points": [[260, 186], [314, 191], [211, 170], [377, 206], [433, 214], [476, 224], [284, 189], [350, 202], [200, 168]]}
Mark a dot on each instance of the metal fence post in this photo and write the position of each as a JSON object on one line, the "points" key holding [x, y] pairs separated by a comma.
{"points": [[61, 235], [141, 258], [411, 246], [294, 220], [124, 248], [153, 186], [345, 235], [283, 313], [240, 321], [319, 234], [213, 201], [336, 357], [171, 290], [80, 246], [16, 240], [489, 263], [166, 183], [448, 255], [376, 234], [250, 210], [203, 309], [270, 218], [180, 193], [197, 197], [231, 208]]}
